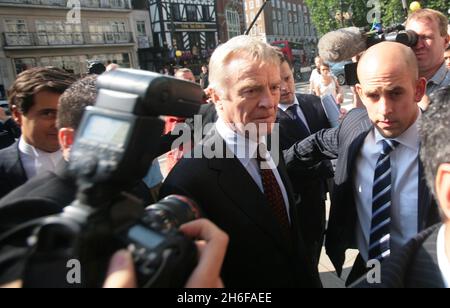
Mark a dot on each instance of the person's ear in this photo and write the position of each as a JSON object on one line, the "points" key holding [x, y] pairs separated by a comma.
{"points": [[217, 98], [443, 189], [66, 137], [421, 89], [16, 114]]}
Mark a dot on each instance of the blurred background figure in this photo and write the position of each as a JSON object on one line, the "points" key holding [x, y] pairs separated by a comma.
{"points": [[327, 84], [176, 154], [112, 67], [315, 75], [96, 68]]}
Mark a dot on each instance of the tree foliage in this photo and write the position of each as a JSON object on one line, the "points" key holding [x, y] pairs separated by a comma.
{"points": [[323, 12]]}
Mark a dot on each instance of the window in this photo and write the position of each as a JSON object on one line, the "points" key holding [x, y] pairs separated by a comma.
{"points": [[233, 23], [56, 32], [191, 11], [251, 5], [140, 28], [205, 13], [211, 40], [175, 9], [24, 64], [275, 28], [17, 33]]}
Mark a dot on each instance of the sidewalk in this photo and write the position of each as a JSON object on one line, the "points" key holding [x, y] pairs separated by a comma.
{"points": [[326, 269]]}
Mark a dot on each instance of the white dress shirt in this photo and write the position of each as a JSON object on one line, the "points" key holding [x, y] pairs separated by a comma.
{"points": [[246, 152], [444, 262], [35, 161], [300, 113], [405, 187]]}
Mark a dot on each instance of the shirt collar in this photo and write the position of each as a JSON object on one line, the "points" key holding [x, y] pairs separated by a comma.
{"points": [[285, 107], [440, 75], [35, 153], [243, 148], [410, 138], [443, 261]]}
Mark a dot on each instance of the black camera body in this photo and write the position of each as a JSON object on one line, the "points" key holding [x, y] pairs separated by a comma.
{"points": [[115, 145]]}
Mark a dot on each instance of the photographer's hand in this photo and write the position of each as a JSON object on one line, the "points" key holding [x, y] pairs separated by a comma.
{"points": [[212, 247], [121, 271]]}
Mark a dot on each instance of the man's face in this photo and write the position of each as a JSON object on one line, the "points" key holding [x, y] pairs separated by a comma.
{"points": [[447, 58], [186, 76], [287, 85], [251, 94], [391, 96], [38, 125], [431, 45]]}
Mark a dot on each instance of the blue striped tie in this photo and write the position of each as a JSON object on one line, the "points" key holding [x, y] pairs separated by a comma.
{"points": [[379, 245]]}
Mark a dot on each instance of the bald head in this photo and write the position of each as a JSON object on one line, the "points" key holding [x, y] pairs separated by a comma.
{"points": [[389, 55], [390, 87]]}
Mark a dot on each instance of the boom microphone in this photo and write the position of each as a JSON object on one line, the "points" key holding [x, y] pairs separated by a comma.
{"points": [[343, 44]]}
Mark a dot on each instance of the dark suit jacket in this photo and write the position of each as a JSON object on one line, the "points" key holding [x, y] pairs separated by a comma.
{"points": [[416, 266], [9, 131], [12, 173], [312, 189], [345, 142], [258, 254]]}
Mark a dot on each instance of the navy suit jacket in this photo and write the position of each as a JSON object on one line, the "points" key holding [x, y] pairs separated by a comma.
{"points": [[345, 142], [12, 173]]}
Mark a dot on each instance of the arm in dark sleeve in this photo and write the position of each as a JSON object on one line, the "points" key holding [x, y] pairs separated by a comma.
{"points": [[11, 126], [314, 149]]}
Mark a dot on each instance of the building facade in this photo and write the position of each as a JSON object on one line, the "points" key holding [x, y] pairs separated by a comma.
{"points": [[184, 32], [230, 19], [284, 20], [66, 34]]}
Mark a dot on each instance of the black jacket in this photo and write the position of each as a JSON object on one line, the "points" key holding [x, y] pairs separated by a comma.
{"points": [[9, 132], [310, 188], [345, 142], [416, 266], [258, 254], [12, 173]]}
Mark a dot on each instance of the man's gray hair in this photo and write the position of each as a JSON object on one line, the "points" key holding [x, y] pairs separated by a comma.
{"points": [[240, 46]]}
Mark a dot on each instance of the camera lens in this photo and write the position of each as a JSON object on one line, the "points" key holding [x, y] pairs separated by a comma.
{"points": [[173, 211]]}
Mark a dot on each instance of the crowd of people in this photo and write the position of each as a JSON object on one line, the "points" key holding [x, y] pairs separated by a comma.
{"points": [[386, 167]]}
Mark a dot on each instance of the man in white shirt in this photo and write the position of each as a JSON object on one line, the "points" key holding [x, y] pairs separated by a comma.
{"points": [[315, 75], [33, 100], [425, 261], [380, 200]]}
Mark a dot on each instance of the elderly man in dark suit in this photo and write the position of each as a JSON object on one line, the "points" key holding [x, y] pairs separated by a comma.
{"points": [[299, 116], [237, 182], [380, 199]]}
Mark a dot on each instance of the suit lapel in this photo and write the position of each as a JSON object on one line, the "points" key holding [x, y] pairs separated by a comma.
{"points": [[424, 199], [309, 114], [239, 186], [15, 169]]}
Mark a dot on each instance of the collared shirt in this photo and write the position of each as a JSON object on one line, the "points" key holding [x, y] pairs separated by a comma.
{"points": [[246, 152], [439, 80], [300, 113], [405, 187], [443, 259], [35, 161]]}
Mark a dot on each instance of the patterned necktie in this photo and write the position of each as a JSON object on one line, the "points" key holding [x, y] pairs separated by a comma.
{"points": [[293, 111], [379, 245], [273, 192]]}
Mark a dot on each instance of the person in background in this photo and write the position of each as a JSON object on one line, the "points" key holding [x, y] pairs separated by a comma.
{"points": [[204, 77], [176, 154], [327, 84], [33, 101], [315, 75]]}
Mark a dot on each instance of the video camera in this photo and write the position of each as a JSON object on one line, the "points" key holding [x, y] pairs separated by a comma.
{"points": [[114, 148], [346, 43]]}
